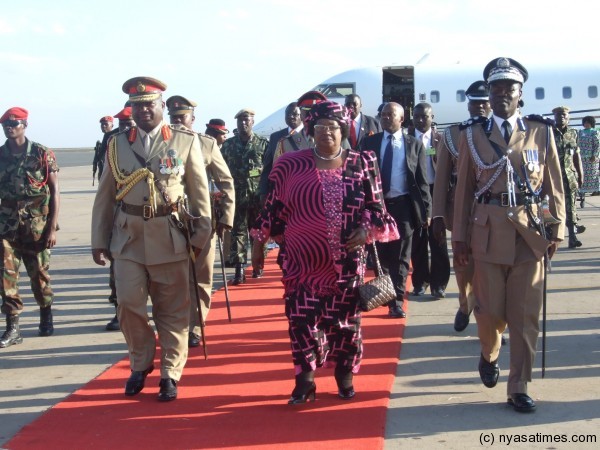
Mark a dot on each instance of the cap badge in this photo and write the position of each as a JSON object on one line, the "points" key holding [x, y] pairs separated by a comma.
{"points": [[141, 87], [503, 62]]}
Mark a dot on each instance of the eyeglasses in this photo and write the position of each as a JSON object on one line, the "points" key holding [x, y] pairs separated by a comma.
{"points": [[326, 128], [12, 123]]}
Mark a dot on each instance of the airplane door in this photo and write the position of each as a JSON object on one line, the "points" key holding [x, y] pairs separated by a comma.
{"points": [[399, 86]]}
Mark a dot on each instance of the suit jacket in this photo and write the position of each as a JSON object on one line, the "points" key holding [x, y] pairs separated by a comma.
{"points": [[368, 127], [504, 235], [445, 175], [156, 240], [218, 171], [268, 159], [418, 188]]}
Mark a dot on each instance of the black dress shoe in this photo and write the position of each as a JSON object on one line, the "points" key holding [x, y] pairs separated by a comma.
{"points": [[304, 394], [113, 325], [346, 393], [461, 320], [257, 273], [419, 290], [489, 372], [521, 402], [193, 340], [136, 381], [395, 312], [575, 243], [168, 390], [438, 293]]}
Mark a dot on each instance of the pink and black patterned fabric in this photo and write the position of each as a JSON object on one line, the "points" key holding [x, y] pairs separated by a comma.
{"points": [[320, 276]]}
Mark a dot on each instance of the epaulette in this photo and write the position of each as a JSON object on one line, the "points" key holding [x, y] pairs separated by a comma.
{"points": [[538, 118], [181, 129], [206, 136], [472, 121]]}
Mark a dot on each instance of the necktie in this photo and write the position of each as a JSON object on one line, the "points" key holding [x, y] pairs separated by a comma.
{"points": [[386, 166], [353, 135], [507, 130], [147, 144]]}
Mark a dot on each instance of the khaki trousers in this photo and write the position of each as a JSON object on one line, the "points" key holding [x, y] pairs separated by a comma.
{"points": [[204, 275], [170, 312], [510, 295]]}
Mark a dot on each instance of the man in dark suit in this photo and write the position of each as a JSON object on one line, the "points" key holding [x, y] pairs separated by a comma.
{"points": [[406, 192], [362, 125], [294, 124], [438, 273]]}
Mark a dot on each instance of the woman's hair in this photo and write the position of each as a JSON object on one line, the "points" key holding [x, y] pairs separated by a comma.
{"points": [[590, 120], [328, 110]]}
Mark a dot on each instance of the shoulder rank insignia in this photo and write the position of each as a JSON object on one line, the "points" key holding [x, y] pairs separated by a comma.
{"points": [[132, 135], [538, 118], [166, 132], [472, 121]]}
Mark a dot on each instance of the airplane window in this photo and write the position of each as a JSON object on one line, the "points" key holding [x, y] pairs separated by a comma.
{"points": [[422, 97], [460, 96], [539, 93], [567, 93], [593, 91], [336, 90], [434, 96]]}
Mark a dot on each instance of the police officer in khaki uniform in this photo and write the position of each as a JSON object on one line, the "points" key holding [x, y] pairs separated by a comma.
{"points": [[507, 166], [443, 197], [139, 207], [181, 111]]}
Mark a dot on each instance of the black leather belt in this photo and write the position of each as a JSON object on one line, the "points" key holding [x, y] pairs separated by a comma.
{"points": [[145, 211], [398, 199], [502, 199]]}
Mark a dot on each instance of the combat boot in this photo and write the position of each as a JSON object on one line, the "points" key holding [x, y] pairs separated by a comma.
{"points": [[113, 325], [239, 277], [12, 335], [46, 326], [573, 241]]}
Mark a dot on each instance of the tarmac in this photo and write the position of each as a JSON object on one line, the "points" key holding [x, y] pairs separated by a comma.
{"points": [[437, 399]]}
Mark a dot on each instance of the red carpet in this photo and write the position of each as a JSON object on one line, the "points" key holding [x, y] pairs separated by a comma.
{"points": [[236, 398]]}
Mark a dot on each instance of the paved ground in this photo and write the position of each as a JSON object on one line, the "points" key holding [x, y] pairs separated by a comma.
{"points": [[437, 400]]}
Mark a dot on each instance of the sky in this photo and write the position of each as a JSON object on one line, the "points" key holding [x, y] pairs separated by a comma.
{"points": [[66, 61]]}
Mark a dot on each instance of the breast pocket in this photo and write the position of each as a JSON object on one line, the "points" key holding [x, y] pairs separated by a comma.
{"points": [[480, 232]]}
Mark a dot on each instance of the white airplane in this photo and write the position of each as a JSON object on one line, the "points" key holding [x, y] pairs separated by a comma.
{"points": [[444, 85]]}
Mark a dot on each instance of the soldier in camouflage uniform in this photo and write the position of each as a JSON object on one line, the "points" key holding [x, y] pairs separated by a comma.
{"points": [[243, 154], [106, 125], [567, 144], [29, 201]]}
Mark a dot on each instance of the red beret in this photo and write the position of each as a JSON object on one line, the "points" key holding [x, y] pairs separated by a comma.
{"points": [[124, 114], [106, 119], [15, 113]]}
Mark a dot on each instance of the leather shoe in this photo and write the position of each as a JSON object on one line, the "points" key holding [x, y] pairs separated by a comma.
{"points": [[419, 290], [257, 273], [521, 403], [113, 325], [136, 381], [438, 293], [579, 229], [193, 340], [575, 243], [168, 390], [488, 372], [395, 312], [461, 320]]}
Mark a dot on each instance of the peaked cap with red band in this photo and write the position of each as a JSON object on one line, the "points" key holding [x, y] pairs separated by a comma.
{"points": [[310, 98], [143, 89], [15, 113], [218, 125], [124, 114], [106, 119]]}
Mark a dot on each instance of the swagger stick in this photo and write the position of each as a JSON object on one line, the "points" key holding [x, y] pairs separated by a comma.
{"points": [[220, 243]]}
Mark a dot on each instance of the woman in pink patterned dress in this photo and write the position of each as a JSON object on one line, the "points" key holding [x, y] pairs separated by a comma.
{"points": [[326, 203]]}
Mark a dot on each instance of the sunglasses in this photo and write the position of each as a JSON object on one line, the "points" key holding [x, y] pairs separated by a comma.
{"points": [[12, 123]]}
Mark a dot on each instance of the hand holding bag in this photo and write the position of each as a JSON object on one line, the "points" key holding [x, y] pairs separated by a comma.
{"points": [[377, 292]]}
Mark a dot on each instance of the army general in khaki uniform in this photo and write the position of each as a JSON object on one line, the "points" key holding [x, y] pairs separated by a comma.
{"points": [[140, 201], [507, 166]]}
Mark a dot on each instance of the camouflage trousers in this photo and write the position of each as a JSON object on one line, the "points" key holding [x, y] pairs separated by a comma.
{"points": [[570, 204], [36, 263], [246, 212]]}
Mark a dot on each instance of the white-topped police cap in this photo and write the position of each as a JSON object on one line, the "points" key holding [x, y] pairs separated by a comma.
{"points": [[505, 69], [478, 90]]}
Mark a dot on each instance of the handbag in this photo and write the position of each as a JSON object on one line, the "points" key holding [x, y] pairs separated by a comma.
{"points": [[377, 292]]}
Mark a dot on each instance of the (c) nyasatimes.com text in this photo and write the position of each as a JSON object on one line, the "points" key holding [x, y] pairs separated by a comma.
{"points": [[507, 439]]}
